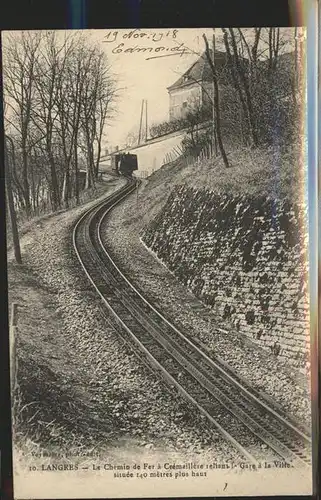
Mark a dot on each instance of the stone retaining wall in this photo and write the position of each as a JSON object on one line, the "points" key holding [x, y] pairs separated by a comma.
{"points": [[244, 257]]}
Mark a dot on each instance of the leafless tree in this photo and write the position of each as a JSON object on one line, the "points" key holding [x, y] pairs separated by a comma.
{"points": [[216, 103], [10, 200], [243, 74], [97, 105], [48, 81], [105, 108], [20, 56], [59, 95], [68, 108]]}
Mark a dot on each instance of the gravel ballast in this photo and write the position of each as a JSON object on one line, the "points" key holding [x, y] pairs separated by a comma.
{"points": [[84, 384], [263, 371]]}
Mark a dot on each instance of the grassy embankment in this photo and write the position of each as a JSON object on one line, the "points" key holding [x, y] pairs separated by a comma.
{"points": [[253, 172]]}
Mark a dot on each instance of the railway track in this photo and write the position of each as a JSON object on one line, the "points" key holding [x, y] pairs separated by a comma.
{"points": [[243, 418]]}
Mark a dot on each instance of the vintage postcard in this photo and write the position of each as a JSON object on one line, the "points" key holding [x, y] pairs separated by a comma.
{"points": [[158, 262]]}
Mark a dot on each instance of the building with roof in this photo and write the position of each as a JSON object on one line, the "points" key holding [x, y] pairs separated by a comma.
{"points": [[195, 86]]}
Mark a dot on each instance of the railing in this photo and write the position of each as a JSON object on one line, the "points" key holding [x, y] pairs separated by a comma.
{"points": [[205, 154], [173, 155]]}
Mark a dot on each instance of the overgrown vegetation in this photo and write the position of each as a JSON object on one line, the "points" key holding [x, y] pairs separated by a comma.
{"points": [[259, 96], [167, 127], [257, 172], [198, 129]]}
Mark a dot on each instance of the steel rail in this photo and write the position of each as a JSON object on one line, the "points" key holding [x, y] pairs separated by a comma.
{"points": [[186, 358], [285, 450], [153, 361], [209, 360]]}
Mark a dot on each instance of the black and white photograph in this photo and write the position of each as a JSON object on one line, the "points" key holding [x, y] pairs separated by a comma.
{"points": [[158, 262]]}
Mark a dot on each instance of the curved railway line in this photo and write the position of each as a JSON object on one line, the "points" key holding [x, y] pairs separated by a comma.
{"points": [[244, 418]]}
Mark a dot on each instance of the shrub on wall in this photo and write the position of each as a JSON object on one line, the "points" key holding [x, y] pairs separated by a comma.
{"points": [[166, 127]]}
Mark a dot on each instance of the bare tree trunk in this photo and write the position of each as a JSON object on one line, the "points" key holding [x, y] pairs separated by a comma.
{"points": [[88, 182], [26, 187], [98, 160], [248, 98], [256, 44], [54, 184], [235, 79], [76, 171], [214, 132], [19, 189], [12, 212], [37, 196], [216, 104], [66, 186], [274, 48]]}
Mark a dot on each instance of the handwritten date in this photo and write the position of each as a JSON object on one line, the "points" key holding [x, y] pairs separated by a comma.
{"points": [[137, 34]]}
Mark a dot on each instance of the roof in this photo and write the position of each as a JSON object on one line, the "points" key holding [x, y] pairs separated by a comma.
{"points": [[200, 70]]}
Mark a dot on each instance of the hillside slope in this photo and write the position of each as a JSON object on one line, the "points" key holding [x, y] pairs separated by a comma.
{"points": [[141, 226], [273, 172]]}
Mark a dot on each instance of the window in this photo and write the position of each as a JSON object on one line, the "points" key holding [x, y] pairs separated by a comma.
{"points": [[185, 104]]}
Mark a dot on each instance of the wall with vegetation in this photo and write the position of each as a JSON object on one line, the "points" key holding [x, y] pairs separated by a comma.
{"points": [[245, 258]]}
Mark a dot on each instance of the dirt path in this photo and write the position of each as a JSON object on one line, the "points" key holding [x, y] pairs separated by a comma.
{"points": [[80, 387]]}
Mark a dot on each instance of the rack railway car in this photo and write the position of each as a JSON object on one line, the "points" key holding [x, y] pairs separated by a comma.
{"points": [[124, 163]]}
